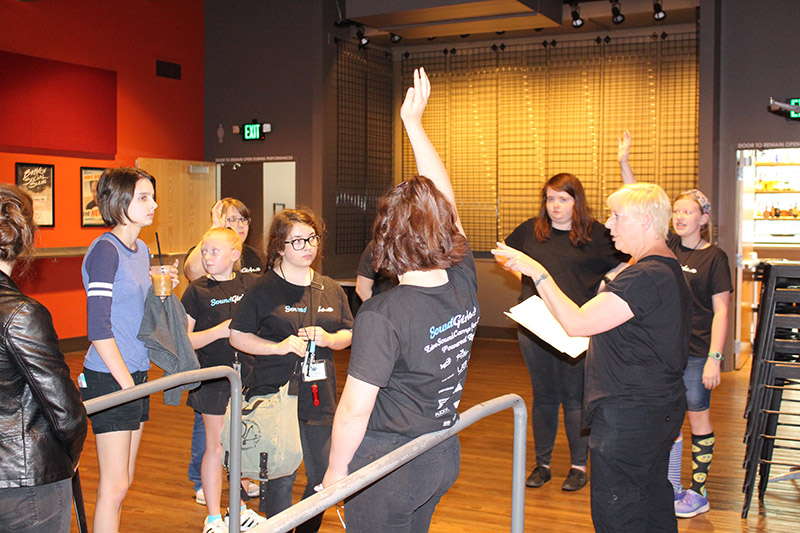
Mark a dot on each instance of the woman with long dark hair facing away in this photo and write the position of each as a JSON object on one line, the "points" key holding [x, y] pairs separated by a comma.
{"points": [[411, 345], [578, 251], [42, 420], [116, 276]]}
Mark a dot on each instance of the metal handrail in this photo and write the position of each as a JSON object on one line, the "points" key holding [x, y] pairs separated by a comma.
{"points": [[359, 479], [203, 374]]}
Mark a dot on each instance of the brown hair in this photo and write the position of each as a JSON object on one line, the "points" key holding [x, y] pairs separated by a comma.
{"points": [[581, 213], [115, 192], [281, 226], [17, 228], [416, 229], [228, 235], [238, 204]]}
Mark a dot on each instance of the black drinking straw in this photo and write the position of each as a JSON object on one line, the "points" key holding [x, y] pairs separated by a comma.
{"points": [[158, 245]]}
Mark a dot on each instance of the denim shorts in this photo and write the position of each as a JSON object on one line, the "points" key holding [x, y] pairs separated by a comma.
{"points": [[698, 397], [125, 417]]}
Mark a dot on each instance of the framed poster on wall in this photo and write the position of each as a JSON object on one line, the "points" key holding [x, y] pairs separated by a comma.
{"points": [[90, 212], [37, 180]]}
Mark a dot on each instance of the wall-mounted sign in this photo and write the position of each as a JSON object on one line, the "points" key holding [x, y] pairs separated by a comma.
{"points": [[37, 180], [255, 131]]}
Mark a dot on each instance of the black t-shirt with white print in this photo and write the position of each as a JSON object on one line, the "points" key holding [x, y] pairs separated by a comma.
{"points": [[708, 273], [414, 343], [274, 309]]}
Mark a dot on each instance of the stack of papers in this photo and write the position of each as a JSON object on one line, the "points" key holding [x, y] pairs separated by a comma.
{"points": [[534, 315]]}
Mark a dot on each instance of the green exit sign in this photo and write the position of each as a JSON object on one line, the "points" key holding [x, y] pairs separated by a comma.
{"points": [[794, 101], [252, 132]]}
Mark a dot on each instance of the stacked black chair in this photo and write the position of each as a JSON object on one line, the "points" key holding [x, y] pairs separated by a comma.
{"points": [[775, 370]]}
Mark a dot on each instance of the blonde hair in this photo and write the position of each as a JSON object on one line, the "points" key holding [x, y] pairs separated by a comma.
{"points": [[641, 199], [228, 235]]}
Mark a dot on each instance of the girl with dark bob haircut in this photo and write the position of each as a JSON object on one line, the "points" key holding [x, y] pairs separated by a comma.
{"points": [[115, 192], [411, 345], [416, 229], [42, 420]]}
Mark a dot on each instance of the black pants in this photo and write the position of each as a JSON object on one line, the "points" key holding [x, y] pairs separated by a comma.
{"points": [[630, 457]]}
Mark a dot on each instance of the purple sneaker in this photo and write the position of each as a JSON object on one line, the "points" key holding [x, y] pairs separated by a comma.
{"points": [[692, 504]]}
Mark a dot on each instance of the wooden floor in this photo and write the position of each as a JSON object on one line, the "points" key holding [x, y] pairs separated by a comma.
{"points": [[161, 498]]}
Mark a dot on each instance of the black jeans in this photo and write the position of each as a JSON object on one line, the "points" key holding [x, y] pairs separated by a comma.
{"points": [[404, 500], [556, 379], [630, 457], [37, 508]]}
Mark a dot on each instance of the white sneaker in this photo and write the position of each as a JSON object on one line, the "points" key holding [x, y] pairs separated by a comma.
{"points": [[217, 526], [252, 489], [200, 497], [248, 519]]}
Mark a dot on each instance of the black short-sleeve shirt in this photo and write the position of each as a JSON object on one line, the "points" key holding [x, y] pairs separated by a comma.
{"points": [[577, 270], [415, 343], [641, 361], [708, 273], [274, 309]]}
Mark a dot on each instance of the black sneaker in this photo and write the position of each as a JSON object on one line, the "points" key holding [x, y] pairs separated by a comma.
{"points": [[576, 480], [539, 476]]}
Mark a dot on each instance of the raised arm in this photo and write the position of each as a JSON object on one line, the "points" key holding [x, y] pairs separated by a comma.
{"points": [[429, 164], [623, 151], [193, 264]]}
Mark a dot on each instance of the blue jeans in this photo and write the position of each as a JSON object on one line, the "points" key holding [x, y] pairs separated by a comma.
{"points": [[404, 500], [630, 447], [198, 450], [698, 397], [556, 379], [38, 508]]}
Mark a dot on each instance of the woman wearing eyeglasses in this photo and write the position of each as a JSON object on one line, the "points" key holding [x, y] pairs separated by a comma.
{"points": [[227, 213], [289, 314]]}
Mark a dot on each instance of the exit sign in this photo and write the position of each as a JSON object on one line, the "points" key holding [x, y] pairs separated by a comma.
{"points": [[252, 132], [794, 101]]}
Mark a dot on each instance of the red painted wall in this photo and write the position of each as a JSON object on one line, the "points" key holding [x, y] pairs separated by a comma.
{"points": [[156, 117]]}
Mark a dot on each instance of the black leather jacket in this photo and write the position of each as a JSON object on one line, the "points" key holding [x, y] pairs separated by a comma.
{"points": [[42, 419]]}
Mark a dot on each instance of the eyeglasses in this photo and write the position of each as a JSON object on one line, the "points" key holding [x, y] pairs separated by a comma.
{"points": [[240, 221], [299, 244]]}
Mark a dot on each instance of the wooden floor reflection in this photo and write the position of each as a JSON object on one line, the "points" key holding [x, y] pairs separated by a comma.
{"points": [[161, 498]]}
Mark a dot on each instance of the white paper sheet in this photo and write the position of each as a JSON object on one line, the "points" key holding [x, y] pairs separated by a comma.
{"points": [[534, 315]]}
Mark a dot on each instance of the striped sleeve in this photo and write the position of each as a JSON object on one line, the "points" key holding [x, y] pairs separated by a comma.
{"points": [[101, 267]]}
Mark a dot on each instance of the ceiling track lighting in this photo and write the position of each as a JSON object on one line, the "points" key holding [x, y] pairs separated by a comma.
{"points": [[658, 11], [394, 38], [363, 40], [577, 21], [616, 14]]}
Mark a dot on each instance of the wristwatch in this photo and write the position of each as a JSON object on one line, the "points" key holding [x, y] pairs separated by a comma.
{"points": [[716, 355]]}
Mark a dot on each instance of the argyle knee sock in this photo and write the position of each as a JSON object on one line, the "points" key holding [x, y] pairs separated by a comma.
{"points": [[674, 472], [702, 453]]}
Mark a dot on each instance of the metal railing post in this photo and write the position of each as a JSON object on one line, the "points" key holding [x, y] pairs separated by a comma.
{"points": [[203, 374], [313, 505]]}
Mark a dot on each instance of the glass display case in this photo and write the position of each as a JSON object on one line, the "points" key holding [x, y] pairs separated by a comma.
{"points": [[771, 185]]}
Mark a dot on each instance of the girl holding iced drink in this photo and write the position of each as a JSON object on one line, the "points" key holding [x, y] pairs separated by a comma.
{"points": [[116, 277]]}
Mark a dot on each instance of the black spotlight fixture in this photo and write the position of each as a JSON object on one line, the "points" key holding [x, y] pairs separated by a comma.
{"points": [[362, 39], [616, 15], [577, 21], [394, 38], [658, 11]]}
